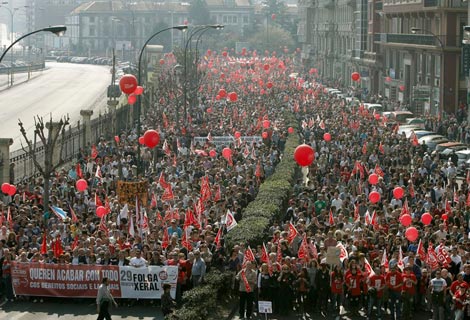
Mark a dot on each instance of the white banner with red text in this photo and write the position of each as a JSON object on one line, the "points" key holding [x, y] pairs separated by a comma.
{"points": [[65, 280]]}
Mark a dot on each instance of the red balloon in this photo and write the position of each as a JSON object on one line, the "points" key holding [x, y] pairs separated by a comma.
{"points": [[264, 135], [222, 93], [398, 192], [101, 211], [266, 124], [162, 62], [116, 138], [81, 185], [411, 234], [237, 134], [139, 90], [141, 140], [355, 76], [132, 99], [266, 67], [212, 153], [445, 217], [269, 85], [227, 153], [128, 83], [377, 116], [232, 96], [209, 110], [273, 16], [373, 179], [304, 155], [290, 130], [426, 218], [217, 97], [224, 53], [12, 190], [406, 220], [151, 138], [209, 52], [374, 197], [327, 137], [5, 187]]}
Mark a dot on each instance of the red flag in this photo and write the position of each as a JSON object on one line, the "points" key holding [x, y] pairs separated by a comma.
{"points": [[292, 233], [98, 173], [374, 221], [369, 271], [331, 219], [9, 219], [384, 261], [98, 202], [467, 202], [414, 139], [209, 137], [166, 238], [74, 216], [103, 226], [258, 170], [367, 218], [279, 252], [322, 125], [153, 202], [264, 254], [185, 240], [303, 250], [217, 239], [443, 256], [378, 171], [58, 247], [217, 195], [364, 148], [343, 253], [411, 190], [165, 120], [167, 193], [420, 251], [400, 263], [432, 260], [78, 171], [94, 152], [161, 181], [189, 219], [75, 242], [448, 209], [405, 209], [357, 218], [1, 218], [166, 148], [248, 256], [44, 243]]}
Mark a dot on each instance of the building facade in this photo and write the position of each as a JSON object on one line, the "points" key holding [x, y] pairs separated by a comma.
{"points": [[405, 50]]}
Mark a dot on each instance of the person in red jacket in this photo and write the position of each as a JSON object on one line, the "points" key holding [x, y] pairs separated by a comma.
{"points": [[376, 286], [354, 287], [460, 301], [454, 287], [408, 292], [337, 284], [394, 282]]}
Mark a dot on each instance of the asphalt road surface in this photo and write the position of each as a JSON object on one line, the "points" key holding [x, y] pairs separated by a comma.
{"points": [[68, 309], [61, 89]]}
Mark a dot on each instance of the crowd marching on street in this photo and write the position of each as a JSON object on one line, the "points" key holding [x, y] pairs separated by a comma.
{"points": [[376, 224]]}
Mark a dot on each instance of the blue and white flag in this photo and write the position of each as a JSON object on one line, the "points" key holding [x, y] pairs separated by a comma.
{"points": [[61, 214]]}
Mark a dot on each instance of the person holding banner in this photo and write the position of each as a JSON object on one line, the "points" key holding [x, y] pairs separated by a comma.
{"points": [[103, 299], [247, 287]]}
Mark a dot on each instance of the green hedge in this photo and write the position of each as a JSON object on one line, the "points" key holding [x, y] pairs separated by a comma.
{"points": [[270, 203]]}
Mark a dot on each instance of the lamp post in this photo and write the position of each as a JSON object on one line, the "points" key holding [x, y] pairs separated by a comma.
{"points": [[12, 14], [57, 30], [196, 30], [139, 72], [415, 30]]}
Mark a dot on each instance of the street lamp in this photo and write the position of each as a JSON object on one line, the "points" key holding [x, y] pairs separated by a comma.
{"points": [[57, 30], [415, 30], [138, 102], [196, 30]]}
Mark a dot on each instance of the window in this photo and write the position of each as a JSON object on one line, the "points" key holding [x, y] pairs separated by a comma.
{"points": [[245, 19], [235, 19], [92, 31], [92, 19], [224, 19]]}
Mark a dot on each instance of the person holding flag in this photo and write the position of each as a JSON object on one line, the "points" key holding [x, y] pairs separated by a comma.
{"points": [[247, 288]]}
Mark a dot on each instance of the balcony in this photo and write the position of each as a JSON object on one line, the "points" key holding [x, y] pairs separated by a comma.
{"points": [[431, 3], [417, 39]]}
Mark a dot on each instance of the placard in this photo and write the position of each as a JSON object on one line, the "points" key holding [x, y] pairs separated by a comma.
{"points": [[332, 256], [265, 307]]}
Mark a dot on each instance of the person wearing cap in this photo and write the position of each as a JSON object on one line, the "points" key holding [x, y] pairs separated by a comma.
{"points": [[408, 292], [460, 301], [438, 288], [394, 282]]}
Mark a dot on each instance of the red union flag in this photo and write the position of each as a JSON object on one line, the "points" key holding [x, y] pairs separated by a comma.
{"points": [[303, 250], [248, 256], [264, 254], [370, 272], [167, 193], [230, 221], [443, 256], [432, 260], [421, 253], [384, 261], [343, 253], [292, 233]]}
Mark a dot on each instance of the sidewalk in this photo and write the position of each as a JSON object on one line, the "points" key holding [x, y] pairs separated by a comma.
{"points": [[18, 78]]}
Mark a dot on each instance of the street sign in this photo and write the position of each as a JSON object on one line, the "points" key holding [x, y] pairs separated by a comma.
{"points": [[466, 58]]}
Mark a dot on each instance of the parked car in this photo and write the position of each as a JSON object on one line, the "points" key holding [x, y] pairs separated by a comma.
{"points": [[463, 161], [416, 121], [398, 116], [374, 106], [432, 141]]}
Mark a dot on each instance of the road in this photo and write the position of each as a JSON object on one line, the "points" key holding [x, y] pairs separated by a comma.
{"points": [[61, 89], [67, 309]]}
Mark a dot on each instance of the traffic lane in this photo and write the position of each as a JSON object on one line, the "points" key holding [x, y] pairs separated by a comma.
{"points": [[70, 309]]}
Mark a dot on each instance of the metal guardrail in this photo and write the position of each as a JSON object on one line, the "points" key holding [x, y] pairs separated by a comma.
{"points": [[33, 67]]}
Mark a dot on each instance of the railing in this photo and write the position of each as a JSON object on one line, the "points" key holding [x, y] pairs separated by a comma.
{"points": [[417, 39], [32, 67]]}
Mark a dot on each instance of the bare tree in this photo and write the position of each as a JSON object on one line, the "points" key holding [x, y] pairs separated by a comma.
{"points": [[49, 142]]}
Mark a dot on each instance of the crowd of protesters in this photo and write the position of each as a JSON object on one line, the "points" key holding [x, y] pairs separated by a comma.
{"points": [[378, 273]]}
